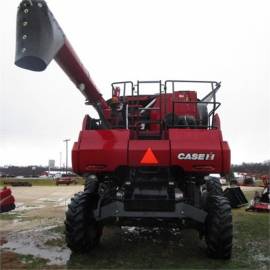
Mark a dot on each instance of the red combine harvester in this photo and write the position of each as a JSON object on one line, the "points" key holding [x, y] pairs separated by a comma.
{"points": [[7, 201], [147, 159]]}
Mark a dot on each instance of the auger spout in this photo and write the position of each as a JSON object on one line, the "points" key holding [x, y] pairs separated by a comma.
{"points": [[40, 39]]}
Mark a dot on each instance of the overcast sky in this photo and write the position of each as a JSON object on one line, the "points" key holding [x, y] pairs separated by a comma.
{"points": [[227, 41]]}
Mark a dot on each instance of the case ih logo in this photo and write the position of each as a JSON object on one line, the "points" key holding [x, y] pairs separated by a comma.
{"points": [[196, 156]]}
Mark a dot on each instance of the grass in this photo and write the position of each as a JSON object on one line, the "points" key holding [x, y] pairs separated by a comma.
{"points": [[151, 249], [12, 261], [10, 215], [251, 249], [184, 251], [51, 182], [32, 262], [39, 181], [251, 232]]}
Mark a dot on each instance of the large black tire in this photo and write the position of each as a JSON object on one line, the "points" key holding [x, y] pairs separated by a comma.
{"points": [[213, 186], [82, 231], [186, 121], [219, 229], [170, 120]]}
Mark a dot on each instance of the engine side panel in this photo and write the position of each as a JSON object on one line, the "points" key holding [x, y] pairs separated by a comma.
{"points": [[100, 150], [196, 150]]}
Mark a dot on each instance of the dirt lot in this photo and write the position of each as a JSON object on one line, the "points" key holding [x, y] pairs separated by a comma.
{"points": [[32, 237]]}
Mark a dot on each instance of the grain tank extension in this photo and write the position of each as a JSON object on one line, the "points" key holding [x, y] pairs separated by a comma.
{"points": [[147, 159]]}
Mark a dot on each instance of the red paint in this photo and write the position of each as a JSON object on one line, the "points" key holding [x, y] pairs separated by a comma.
{"points": [[7, 201], [196, 141], [68, 60], [137, 148], [100, 150], [107, 149], [149, 157]]}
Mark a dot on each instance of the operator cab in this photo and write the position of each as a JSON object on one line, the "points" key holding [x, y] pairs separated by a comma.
{"points": [[150, 116]]}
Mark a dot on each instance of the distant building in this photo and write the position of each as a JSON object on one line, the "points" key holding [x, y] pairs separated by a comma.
{"points": [[56, 174], [51, 163]]}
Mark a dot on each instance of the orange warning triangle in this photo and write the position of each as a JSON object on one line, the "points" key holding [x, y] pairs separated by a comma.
{"points": [[149, 157]]}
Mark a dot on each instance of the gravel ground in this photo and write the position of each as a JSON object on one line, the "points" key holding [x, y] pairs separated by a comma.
{"points": [[45, 202]]}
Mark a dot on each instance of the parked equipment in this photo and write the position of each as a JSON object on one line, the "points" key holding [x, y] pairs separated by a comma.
{"points": [[7, 201], [243, 180], [65, 181], [146, 160], [261, 201], [236, 197], [265, 179], [249, 181], [18, 183]]}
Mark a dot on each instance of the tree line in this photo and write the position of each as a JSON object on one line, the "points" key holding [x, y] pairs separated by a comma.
{"points": [[258, 168], [27, 171]]}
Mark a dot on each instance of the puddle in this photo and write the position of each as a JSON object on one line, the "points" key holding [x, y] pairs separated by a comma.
{"points": [[262, 258], [155, 235], [58, 201], [48, 200], [41, 242], [47, 241], [22, 207], [64, 202], [46, 228]]}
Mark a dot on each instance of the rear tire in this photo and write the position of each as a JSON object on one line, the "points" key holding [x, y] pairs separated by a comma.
{"points": [[213, 186], [219, 228], [82, 231]]}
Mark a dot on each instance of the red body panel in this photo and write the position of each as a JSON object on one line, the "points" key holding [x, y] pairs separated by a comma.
{"points": [[196, 141], [137, 149], [181, 105], [194, 150], [100, 150], [226, 157]]}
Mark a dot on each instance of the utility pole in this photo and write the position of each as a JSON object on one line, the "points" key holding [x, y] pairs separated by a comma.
{"points": [[60, 161], [66, 141]]}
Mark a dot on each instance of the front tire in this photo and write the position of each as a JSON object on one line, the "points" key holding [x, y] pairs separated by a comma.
{"points": [[219, 229], [82, 231]]}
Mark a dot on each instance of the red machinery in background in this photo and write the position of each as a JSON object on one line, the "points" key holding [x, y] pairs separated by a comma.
{"points": [[148, 157], [7, 201], [261, 201]]}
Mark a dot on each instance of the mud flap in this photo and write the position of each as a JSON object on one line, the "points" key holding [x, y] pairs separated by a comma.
{"points": [[236, 197]]}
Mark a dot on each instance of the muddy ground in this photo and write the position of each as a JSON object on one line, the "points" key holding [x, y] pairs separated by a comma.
{"points": [[32, 237]]}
